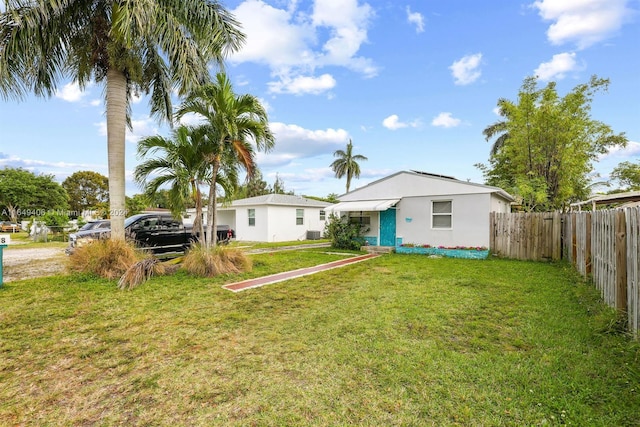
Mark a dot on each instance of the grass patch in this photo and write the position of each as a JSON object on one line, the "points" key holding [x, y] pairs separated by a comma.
{"points": [[264, 245], [398, 340]]}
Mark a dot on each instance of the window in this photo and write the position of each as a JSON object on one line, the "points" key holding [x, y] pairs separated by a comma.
{"points": [[323, 215], [252, 217], [167, 223], [299, 216], [441, 216], [364, 219]]}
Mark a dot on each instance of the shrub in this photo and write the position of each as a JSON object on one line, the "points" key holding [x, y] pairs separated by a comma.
{"points": [[204, 262], [140, 272], [106, 258], [343, 235]]}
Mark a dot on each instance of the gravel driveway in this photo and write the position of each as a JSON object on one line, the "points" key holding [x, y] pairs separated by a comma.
{"points": [[25, 263]]}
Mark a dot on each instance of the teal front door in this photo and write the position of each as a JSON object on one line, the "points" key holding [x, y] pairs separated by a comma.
{"points": [[388, 227]]}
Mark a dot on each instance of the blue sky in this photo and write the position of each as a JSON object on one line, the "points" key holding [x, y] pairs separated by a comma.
{"points": [[411, 83]]}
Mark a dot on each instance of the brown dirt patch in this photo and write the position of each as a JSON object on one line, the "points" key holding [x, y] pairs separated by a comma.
{"points": [[27, 263]]}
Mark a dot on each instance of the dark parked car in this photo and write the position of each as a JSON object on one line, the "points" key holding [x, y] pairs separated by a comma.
{"points": [[89, 232], [160, 233]]}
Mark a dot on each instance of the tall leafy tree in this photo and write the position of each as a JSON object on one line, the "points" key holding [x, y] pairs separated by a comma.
{"points": [[151, 46], [546, 144], [137, 203], [279, 188], [177, 162], [236, 125], [24, 194], [253, 187], [86, 190], [628, 175], [347, 164]]}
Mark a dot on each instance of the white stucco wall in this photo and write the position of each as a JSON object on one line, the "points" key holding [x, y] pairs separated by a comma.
{"points": [[470, 221], [256, 233], [282, 224], [276, 223], [500, 205]]}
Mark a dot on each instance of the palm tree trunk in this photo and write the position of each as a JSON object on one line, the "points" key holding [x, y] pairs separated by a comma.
{"points": [[211, 208], [116, 97], [198, 223]]}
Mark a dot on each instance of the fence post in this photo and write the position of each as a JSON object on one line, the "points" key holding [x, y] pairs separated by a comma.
{"points": [[587, 241], [574, 245], [621, 259], [492, 232]]}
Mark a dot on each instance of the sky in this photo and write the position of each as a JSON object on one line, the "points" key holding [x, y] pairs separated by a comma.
{"points": [[411, 83]]}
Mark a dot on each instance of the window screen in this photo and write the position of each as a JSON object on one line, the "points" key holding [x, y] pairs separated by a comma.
{"points": [[441, 214]]}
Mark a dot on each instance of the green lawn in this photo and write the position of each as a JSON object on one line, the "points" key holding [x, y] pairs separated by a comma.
{"points": [[398, 340]]}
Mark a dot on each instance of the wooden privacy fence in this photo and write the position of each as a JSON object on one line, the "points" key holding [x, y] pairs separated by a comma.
{"points": [[603, 245], [527, 236]]}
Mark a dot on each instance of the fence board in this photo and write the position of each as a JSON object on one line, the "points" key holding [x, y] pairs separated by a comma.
{"points": [[527, 236]]}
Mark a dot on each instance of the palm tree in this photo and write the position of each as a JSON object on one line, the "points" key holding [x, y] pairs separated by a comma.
{"points": [[235, 124], [347, 164], [179, 163], [498, 129], [151, 46]]}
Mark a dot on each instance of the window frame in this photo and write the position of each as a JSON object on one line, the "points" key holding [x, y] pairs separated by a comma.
{"points": [[251, 215], [299, 216], [360, 218], [323, 215], [435, 214]]}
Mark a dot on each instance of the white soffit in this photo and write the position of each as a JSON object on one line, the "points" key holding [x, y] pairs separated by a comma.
{"points": [[362, 205]]}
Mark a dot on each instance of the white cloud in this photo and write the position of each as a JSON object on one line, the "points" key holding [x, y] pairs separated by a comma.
{"points": [[295, 142], [192, 119], [632, 149], [393, 123], [417, 19], [557, 68], [466, 70], [294, 43], [301, 85], [583, 22], [33, 164], [445, 120], [143, 127], [70, 92]]}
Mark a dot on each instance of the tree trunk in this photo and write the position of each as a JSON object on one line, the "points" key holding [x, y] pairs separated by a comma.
{"points": [[211, 233], [198, 223], [116, 97], [13, 213]]}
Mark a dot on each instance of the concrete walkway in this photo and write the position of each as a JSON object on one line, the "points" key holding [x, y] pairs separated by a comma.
{"points": [[281, 277]]}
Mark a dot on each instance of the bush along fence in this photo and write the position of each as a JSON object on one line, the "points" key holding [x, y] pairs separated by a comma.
{"points": [[603, 245]]}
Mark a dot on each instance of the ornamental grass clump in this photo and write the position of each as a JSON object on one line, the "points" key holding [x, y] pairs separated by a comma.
{"points": [[204, 262], [140, 272], [105, 258]]}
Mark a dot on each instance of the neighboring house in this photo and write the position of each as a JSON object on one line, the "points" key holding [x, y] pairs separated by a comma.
{"points": [[423, 209], [273, 218]]}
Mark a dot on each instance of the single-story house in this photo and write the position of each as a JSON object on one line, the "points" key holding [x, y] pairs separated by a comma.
{"points": [[423, 209], [273, 218]]}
